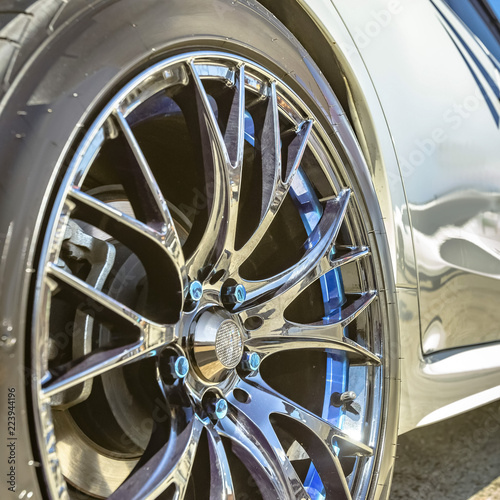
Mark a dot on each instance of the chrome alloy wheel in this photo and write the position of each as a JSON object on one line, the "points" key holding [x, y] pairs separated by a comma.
{"points": [[207, 312]]}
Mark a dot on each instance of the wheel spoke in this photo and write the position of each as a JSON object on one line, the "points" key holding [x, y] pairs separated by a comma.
{"points": [[326, 263], [216, 163], [257, 446], [90, 366], [318, 246], [314, 434], [146, 187], [158, 251], [289, 291], [278, 334], [296, 151], [274, 189], [234, 139], [234, 136], [104, 306], [221, 483], [171, 465], [112, 219], [139, 237], [262, 396], [271, 153], [94, 302]]}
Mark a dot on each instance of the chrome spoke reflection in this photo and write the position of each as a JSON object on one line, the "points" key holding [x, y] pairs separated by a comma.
{"points": [[274, 189], [147, 242], [216, 164], [170, 466], [318, 247], [90, 366], [102, 305], [234, 139], [316, 436], [278, 334], [147, 184], [150, 335], [255, 443], [262, 396], [221, 482]]}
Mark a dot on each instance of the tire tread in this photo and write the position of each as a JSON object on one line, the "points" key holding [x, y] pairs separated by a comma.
{"points": [[24, 26]]}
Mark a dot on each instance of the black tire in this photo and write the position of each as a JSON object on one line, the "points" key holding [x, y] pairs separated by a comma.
{"points": [[60, 63]]}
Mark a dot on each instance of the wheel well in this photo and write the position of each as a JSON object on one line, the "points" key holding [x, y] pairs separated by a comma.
{"points": [[308, 33]]}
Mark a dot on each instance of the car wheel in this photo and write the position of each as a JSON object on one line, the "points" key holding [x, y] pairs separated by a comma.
{"points": [[194, 251]]}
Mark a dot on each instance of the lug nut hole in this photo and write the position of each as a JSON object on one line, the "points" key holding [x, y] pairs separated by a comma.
{"points": [[253, 323], [241, 395]]}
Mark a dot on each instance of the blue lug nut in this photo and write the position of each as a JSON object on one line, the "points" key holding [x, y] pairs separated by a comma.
{"points": [[221, 408], [251, 361], [181, 367], [195, 291], [235, 294]]}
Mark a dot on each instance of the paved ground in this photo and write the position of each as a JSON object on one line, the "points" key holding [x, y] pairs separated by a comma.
{"points": [[458, 459]]}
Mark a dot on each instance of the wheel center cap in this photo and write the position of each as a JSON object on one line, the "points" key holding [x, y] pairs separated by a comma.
{"points": [[229, 344], [217, 344]]}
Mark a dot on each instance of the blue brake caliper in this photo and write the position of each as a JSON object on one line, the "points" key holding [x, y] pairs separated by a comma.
{"points": [[311, 210]]}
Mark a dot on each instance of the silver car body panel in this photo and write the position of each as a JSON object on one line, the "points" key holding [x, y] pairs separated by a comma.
{"points": [[424, 107]]}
